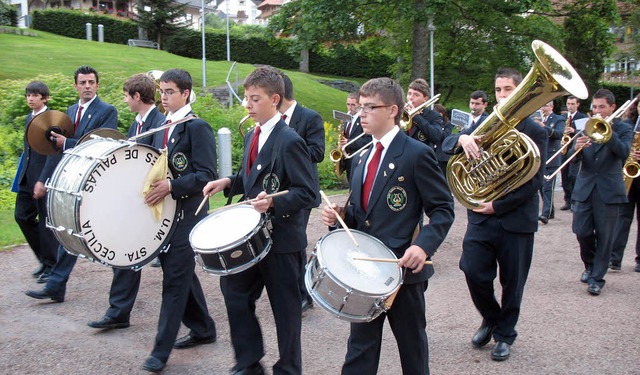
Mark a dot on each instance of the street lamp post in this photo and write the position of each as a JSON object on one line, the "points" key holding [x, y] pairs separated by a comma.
{"points": [[432, 29], [632, 67], [204, 56]]}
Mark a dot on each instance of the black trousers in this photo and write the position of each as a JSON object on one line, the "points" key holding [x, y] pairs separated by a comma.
{"points": [[408, 322], [486, 248], [123, 293], [624, 225], [30, 215], [278, 273]]}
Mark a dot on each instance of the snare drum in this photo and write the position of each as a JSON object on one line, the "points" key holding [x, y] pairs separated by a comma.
{"points": [[96, 208], [353, 290], [231, 240]]}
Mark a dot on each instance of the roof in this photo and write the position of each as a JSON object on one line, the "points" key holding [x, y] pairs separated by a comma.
{"points": [[269, 2]]}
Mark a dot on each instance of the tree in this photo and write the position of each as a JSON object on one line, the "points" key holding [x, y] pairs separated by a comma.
{"points": [[162, 19]]}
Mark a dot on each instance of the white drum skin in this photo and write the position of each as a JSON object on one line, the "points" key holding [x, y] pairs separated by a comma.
{"points": [[352, 290], [96, 208]]}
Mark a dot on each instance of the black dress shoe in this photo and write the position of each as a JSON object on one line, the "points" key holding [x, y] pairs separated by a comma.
{"points": [[189, 341], [594, 289], [38, 271], [483, 335], [108, 323], [307, 303], [614, 266], [566, 207], [637, 267], [45, 293], [255, 369], [153, 364], [543, 219], [501, 351], [585, 276]]}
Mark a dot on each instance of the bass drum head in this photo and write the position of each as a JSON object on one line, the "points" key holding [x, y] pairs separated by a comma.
{"points": [[118, 227], [336, 250]]}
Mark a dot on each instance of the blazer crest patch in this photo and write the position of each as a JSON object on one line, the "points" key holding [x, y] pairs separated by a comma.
{"points": [[270, 183], [179, 161], [397, 199]]}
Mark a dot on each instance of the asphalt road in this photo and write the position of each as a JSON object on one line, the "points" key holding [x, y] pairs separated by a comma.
{"points": [[562, 329]]}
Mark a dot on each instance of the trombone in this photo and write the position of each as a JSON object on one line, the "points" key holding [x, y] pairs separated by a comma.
{"points": [[597, 129], [338, 154], [407, 116]]}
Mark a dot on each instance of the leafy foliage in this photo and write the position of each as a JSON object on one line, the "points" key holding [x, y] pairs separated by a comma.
{"points": [[162, 19], [8, 14], [72, 23]]}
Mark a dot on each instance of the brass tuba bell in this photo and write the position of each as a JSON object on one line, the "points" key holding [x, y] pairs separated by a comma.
{"points": [[510, 158]]}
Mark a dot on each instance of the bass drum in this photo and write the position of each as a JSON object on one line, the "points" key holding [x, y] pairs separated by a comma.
{"points": [[96, 208]]}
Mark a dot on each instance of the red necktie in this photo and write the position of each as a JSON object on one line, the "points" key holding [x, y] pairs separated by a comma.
{"points": [[284, 117], [372, 170], [347, 129], [78, 117], [253, 149], [166, 135], [140, 124]]}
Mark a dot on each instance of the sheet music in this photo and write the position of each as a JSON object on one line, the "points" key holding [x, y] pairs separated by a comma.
{"points": [[580, 123]]}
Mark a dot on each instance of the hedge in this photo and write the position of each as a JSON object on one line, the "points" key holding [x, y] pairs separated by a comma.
{"points": [[72, 24]]}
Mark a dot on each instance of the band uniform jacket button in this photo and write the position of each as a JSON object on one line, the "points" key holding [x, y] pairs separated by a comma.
{"points": [[367, 223]]}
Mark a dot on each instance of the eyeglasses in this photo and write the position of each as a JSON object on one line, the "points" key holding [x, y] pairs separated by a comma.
{"points": [[167, 92], [368, 108]]}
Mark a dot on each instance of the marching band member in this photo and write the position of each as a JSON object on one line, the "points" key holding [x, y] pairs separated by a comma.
{"points": [[351, 130], [192, 160], [276, 158], [88, 114], [139, 94], [426, 126], [500, 232], [599, 192], [553, 125], [393, 184]]}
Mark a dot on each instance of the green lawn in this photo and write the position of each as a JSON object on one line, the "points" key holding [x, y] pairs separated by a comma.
{"points": [[25, 57]]}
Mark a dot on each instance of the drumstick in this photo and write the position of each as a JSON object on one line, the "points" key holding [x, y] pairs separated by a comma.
{"points": [[283, 192], [206, 198], [346, 228], [386, 260]]}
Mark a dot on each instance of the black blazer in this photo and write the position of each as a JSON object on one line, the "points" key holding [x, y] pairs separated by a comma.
{"points": [[283, 163], [518, 210], [193, 163], [98, 115], [480, 119], [447, 128], [409, 182], [555, 129], [308, 124], [601, 167], [33, 165], [154, 119], [355, 131], [427, 127]]}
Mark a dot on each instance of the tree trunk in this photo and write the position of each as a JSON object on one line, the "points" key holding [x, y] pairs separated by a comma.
{"points": [[304, 60], [420, 43]]}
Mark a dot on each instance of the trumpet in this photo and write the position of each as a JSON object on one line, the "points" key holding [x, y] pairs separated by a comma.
{"points": [[407, 115], [341, 153], [597, 129], [242, 121]]}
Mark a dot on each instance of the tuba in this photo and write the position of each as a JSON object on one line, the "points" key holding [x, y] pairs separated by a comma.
{"points": [[509, 158]]}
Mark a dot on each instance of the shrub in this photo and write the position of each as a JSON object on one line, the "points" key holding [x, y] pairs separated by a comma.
{"points": [[72, 23]]}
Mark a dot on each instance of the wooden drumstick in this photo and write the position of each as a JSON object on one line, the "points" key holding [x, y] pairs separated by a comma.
{"points": [[283, 192], [346, 228], [206, 198], [386, 260]]}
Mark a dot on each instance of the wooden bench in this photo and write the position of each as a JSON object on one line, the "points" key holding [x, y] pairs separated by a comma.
{"points": [[142, 43]]}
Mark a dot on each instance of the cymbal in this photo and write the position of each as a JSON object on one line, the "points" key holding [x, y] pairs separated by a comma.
{"points": [[102, 133], [41, 127]]}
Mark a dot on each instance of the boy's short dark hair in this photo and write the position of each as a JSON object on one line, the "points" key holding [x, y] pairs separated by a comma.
{"points": [[387, 90], [288, 87], [479, 94], [181, 78], [37, 87], [509, 73], [142, 84], [605, 94], [85, 69], [268, 79], [421, 86]]}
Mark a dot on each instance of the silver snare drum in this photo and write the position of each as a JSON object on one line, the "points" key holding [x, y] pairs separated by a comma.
{"points": [[96, 208], [352, 290], [231, 240]]}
